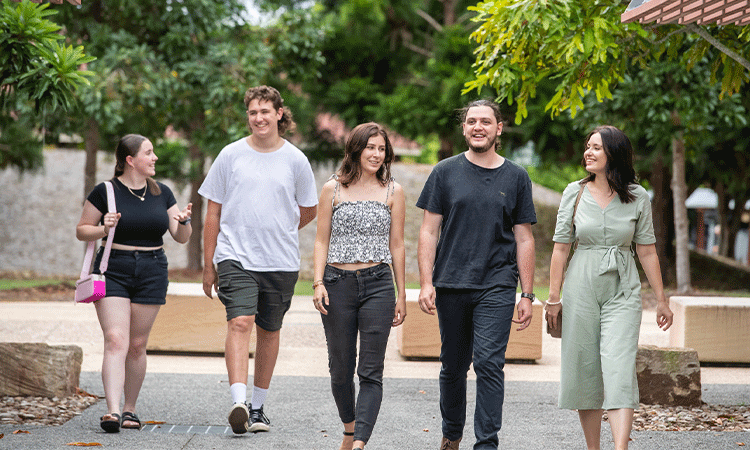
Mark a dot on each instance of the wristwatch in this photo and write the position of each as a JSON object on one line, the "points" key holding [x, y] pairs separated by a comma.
{"points": [[529, 296], [185, 222]]}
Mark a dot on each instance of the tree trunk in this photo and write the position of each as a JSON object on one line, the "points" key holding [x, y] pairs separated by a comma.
{"points": [[446, 148], [449, 12], [722, 210], [91, 143], [195, 247], [679, 189], [663, 217]]}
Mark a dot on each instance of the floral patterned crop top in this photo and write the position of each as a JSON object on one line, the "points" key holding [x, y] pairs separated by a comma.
{"points": [[360, 230]]}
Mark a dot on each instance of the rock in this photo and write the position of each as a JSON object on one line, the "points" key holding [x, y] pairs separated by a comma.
{"points": [[668, 376], [38, 369]]}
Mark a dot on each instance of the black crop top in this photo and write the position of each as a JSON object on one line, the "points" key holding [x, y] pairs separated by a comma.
{"points": [[143, 223]]}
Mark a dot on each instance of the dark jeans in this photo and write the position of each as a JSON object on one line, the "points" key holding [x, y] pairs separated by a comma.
{"points": [[474, 323], [363, 302]]}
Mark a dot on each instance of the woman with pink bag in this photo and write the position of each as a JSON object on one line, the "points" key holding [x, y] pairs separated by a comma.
{"points": [[136, 277]]}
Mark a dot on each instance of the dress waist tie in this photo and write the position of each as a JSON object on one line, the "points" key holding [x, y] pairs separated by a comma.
{"points": [[614, 259]]}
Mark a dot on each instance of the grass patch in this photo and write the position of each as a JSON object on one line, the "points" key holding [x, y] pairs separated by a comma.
{"points": [[6, 284]]}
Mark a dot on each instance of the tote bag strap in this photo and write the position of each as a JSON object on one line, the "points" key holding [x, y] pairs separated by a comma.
{"points": [[111, 236]]}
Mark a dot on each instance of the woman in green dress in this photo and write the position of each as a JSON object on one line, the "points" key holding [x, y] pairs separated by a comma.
{"points": [[602, 315]]}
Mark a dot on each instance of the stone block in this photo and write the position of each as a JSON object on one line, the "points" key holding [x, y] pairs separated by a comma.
{"points": [[718, 328], [419, 336], [190, 322], [39, 370], [668, 376]]}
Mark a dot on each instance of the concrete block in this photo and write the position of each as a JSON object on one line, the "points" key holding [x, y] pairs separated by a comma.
{"points": [[668, 376], [39, 370], [718, 328]]}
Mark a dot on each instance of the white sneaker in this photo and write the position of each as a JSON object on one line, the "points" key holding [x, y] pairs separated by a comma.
{"points": [[238, 418]]}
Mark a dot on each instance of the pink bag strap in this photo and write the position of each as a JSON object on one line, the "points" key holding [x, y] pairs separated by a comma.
{"points": [[111, 207]]}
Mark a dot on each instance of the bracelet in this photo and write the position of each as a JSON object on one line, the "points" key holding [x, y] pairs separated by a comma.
{"points": [[559, 302], [317, 283], [185, 222]]}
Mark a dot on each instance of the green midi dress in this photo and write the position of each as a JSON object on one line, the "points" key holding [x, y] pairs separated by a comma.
{"points": [[601, 299]]}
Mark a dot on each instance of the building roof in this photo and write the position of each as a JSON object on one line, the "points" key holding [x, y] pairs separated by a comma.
{"points": [[719, 12]]}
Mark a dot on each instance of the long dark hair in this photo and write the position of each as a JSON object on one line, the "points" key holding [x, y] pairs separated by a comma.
{"points": [[129, 146], [356, 142], [270, 94], [619, 171]]}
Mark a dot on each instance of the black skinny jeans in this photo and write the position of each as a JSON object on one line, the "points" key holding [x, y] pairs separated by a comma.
{"points": [[360, 301]]}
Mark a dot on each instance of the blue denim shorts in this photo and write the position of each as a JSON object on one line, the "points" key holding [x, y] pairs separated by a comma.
{"points": [[140, 275]]}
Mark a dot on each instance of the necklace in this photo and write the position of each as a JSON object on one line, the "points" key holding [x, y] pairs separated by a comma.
{"points": [[141, 197]]}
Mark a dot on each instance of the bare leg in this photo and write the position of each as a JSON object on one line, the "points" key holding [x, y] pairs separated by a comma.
{"points": [[237, 348], [114, 319], [266, 353], [621, 422], [142, 318], [346, 443], [591, 422]]}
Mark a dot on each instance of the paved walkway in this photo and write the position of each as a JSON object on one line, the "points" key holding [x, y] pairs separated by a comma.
{"points": [[190, 395]]}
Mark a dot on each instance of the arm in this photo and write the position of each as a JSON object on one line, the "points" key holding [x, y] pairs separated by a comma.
{"points": [[429, 233], [650, 262], [88, 228], [322, 240], [557, 264], [180, 233], [306, 215], [398, 253], [526, 262], [211, 229]]}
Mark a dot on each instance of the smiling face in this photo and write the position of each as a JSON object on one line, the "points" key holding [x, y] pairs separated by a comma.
{"points": [[263, 118], [144, 161], [595, 157], [373, 155], [481, 129]]}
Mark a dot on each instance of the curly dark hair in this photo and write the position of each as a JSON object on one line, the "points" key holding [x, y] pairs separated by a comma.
{"points": [[270, 94]]}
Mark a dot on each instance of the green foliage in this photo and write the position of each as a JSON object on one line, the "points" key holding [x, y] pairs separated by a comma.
{"points": [[19, 147], [583, 47], [33, 64], [556, 177]]}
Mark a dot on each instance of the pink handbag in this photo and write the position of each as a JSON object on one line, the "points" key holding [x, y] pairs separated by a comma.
{"points": [[92, 287]]}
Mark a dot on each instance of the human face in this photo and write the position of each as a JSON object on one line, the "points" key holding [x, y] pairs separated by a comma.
{"points": [[263, 118], [481, 129], [594, 157], [144, 161], [373, 155]]}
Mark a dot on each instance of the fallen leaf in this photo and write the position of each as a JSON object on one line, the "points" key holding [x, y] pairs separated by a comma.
{"points": [[154, 422], [2, 435], [426, 430], [80, 391], [84, 444], [422, 392], [739, 444], [21, 432]]}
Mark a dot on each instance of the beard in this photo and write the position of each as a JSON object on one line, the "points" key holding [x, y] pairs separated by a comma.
{"points": [[491, 144]]}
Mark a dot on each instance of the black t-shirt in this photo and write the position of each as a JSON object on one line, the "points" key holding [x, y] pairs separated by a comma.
{"points": [[477, 247], [143, 223]]}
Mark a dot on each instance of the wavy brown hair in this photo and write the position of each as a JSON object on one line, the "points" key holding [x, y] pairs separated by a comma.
{"points": [[356, 142], [270, 94], [129, 145], [619, 171]]}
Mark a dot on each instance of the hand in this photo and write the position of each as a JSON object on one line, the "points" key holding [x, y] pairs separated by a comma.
{"points": [[320, 299], [185, 214], [664, 316], [552, 314], [399, 314], [210, 280], [427, 299], [525, 312], [110, 220]]}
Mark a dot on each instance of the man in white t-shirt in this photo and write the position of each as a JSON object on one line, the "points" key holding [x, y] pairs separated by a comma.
{"points": [[260, 192]]}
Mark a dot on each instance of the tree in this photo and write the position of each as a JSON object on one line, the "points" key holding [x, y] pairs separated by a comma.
{"points": [[584, 47], [34, 70]]}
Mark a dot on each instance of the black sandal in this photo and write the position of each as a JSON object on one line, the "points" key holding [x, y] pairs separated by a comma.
{"points": [[348, 433], [130, 417], [111, 425]]}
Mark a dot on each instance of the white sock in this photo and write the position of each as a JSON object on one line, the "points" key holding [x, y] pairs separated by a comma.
{"points": [[259, 397], [239, 392]]}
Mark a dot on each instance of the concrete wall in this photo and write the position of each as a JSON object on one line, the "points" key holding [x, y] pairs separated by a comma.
{"points": [[39, 212]]}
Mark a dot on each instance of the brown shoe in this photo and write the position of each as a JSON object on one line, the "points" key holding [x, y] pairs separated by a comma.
{"points": [[445, 444]]}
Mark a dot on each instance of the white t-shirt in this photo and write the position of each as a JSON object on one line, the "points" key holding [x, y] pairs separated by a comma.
{"points": [[260, 195]]}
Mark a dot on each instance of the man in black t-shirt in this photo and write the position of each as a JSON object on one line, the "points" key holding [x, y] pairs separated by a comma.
{"points": [[474, 244]]}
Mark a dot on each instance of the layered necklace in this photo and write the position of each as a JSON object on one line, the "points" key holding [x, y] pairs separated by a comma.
{"points": [[140, 197]]}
